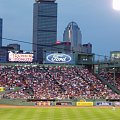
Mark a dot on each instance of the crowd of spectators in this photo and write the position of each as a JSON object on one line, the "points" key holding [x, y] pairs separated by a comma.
{"points": [[111, 77], [52, 82]]}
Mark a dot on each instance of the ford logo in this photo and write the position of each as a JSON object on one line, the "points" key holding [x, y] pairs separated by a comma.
{"points": [[58, 58]]}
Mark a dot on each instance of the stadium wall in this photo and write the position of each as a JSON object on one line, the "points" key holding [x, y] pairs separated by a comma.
{"points": [[17, 102], [22, 102]]}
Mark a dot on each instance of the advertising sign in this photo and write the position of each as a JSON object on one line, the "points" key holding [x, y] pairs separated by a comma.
{"points": [[1, 89], [103, 103], [45, 103], [20, 57], [64, 103], [84, 104], [117, 103], [59, 58]]}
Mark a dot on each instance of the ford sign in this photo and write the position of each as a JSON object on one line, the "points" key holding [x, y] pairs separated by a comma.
{"points": [[58, 58]]}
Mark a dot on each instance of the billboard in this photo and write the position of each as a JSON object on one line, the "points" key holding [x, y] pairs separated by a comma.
{"points": [[117, 103], [59, 58], [1, 89], [104, 103], [20, 57], [84, 104]]}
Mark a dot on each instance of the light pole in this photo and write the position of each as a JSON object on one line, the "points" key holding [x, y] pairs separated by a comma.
{"points": [[114, 75]]}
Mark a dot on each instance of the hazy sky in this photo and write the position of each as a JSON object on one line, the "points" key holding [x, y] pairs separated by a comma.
{"points": [[99, 23]]}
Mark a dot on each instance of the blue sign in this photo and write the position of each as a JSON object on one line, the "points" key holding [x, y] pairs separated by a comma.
{"points": [[103, 103], [59, 58]]}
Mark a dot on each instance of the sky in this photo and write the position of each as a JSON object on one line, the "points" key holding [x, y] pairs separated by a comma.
{"points": [[97, 20]]}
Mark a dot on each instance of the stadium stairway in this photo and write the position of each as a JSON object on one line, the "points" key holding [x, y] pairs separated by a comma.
{"points": [[108, 84], [104, 81], [60, 85]]}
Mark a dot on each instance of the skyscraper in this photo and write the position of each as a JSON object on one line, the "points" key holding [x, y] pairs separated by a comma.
{"points": [[0, 32], [87, 48], [73, 34], [44, 26], [16, 47]]}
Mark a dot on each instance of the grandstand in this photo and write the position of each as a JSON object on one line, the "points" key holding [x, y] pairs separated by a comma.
{"points": [[54, 82]]}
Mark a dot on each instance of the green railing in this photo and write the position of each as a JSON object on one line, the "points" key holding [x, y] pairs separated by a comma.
{"points": [[108, 84]]}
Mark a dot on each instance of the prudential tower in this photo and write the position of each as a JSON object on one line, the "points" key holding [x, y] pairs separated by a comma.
{"points": [[44, 26]]}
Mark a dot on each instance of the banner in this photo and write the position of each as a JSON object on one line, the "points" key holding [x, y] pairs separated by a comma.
{"points": [[1, 89], [59, 58], [47, 103], [84, 104], [103, 103], [64, 103], [20, 57], [117, 103]]}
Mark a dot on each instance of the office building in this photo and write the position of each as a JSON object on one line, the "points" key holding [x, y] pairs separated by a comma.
{"points": [[1, 22], [87, 48], [44, 27], [73, 34], [61, 47], [16, 47], [4, 54]]}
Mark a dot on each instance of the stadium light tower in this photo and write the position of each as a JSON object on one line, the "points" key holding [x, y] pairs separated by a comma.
{"points": [[116, 5], [45, 0], [114, 77]]}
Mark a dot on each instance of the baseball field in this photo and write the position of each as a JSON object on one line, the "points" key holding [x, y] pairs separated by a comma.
{"points": [[59, 113]]}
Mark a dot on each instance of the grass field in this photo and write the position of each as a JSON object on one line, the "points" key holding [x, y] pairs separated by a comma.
{"points": [[59, 114]]}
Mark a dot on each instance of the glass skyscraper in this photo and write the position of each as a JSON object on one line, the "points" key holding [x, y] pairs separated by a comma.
{"points": [[0, 32], [73, 34], [44, 27]]}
